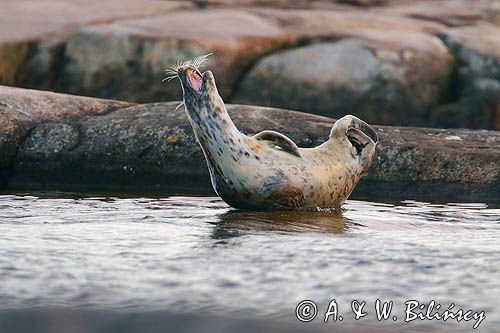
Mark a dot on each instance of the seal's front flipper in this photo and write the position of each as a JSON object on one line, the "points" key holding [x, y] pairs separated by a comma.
{"points": [[278, 140]]}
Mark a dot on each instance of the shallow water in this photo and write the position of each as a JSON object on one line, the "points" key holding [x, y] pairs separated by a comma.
{"points": [[196, 255]]}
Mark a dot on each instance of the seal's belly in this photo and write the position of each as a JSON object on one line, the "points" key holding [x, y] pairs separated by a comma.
{"points": [[283, 182]]}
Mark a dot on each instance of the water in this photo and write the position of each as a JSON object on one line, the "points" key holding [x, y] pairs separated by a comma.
{"points": [[195, 255]]}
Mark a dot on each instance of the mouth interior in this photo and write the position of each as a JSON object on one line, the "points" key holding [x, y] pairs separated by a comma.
{"points": [[194, 79]]}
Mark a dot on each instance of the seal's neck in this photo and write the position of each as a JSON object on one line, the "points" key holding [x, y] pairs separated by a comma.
{"points": [[212, 125]]}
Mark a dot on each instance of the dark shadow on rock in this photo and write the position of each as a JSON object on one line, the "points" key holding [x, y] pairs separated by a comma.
{"points": [[478, 107]]}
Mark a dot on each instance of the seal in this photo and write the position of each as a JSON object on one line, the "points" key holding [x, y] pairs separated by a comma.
{"points": [[268, 171]]}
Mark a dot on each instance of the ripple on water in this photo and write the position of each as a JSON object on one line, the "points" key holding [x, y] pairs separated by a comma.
{"points": [[195, 253]]}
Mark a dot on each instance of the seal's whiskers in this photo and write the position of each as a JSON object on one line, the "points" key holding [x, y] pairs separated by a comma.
{"points": [[173, 71], [178, 106]]}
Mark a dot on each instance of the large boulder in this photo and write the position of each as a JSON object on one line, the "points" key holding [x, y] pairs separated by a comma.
{"points": [[151, 147], [478, 107], [22, 109], [32, 34], [126, 59], [35, 20], [341, 22], [119, 49], [477, 49], [287, 4], [452, 13], [386, 78], [477, 83]]}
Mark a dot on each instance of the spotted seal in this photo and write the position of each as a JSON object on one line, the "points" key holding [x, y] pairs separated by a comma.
{"points": [[268, 170]]}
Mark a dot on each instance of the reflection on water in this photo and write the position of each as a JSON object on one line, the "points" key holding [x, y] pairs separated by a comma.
{"points": [[285, 221], [195, 254]]}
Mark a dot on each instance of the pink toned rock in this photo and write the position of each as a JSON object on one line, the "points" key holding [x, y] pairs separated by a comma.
{"points": [[289, 4], [223, 26], [338, 23], [483, 38], [126, 59], [447, 12], [119, 49], [477, 52], [477, 49], [37, 106], [384, 78], [35, 19]]}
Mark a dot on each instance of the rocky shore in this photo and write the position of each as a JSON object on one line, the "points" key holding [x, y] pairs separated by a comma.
{"points": [[51, 140], [433, 63]]}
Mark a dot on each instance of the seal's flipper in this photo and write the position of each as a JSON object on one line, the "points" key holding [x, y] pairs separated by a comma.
{"points": [[287, 197], [277, 139], [358, 139]]}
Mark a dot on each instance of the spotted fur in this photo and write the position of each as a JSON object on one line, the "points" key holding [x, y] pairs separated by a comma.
{"points": [[269, 171]]}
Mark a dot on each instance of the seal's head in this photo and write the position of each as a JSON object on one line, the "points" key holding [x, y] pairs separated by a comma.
{"points": [[200, 94], [357, 137]]}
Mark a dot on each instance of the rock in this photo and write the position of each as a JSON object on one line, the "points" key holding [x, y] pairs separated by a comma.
{"points": [[477, 49], [22, 109], [285, 4], [12, 58], [477, 81], [452, 13], [362, 2], [478, 107], [120, 54], [126, 59], [338, 23], [388, 78], [151, 147], [119, 49], [53, 17], [38, 45]]}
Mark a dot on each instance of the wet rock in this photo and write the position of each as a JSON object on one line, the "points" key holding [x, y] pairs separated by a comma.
{"points": [[383, 78], [22, 109], [151, 147]]}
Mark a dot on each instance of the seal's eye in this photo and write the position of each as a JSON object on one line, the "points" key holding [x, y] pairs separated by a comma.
{"points": [[194, 79]]}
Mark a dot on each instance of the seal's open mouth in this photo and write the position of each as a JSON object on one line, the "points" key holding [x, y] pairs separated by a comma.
{"points": [[188, 72], [194, 79]]}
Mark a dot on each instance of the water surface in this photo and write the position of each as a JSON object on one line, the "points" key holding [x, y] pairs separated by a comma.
{"points": [[196, 255]]}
